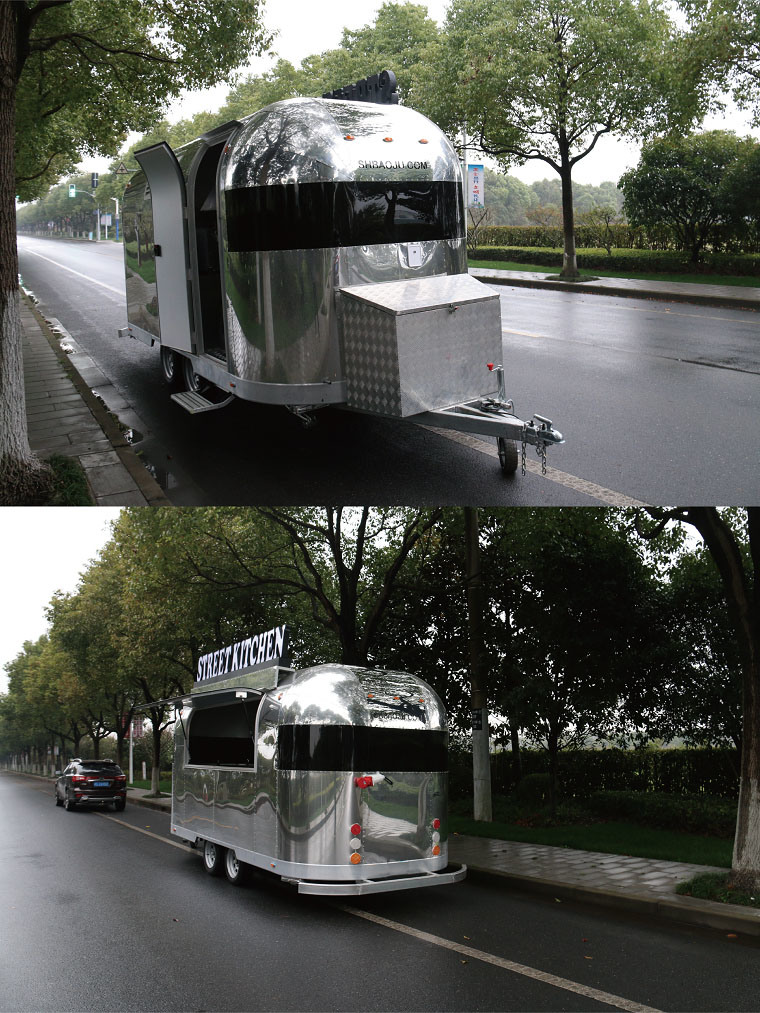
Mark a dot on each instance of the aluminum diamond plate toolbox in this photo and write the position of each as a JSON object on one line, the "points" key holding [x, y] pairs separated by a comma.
{"points": [[417, 345]]}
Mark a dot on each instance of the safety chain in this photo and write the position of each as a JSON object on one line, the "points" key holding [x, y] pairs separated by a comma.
{"points": [[524, 443]]}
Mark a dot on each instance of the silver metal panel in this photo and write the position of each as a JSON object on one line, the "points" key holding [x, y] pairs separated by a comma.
{"points": [[419, 345], [168, 200], [139, 261], [280, 316], [314, 140], [382, 885]]}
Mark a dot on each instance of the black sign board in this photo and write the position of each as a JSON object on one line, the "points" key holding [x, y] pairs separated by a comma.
{"points": [[380, 88]]}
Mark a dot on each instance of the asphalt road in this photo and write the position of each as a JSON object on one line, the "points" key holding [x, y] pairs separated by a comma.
{"points": [[658, 402], [106, 912]]}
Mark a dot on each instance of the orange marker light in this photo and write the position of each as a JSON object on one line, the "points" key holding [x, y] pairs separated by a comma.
{"points": [[349, 137], [436, 850], [387, 138], [355, 859]]}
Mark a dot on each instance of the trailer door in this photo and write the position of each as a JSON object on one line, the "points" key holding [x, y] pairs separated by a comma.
{"points": [[167, 187]]}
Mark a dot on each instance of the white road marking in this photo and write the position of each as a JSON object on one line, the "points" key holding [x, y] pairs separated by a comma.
{"points": [[141, 830], [94, 281], [508, 965], [608, 496]]}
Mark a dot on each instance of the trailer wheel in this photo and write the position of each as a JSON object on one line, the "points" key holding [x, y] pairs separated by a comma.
{"points": [[171, 366], [213, 858], [235, 870], [197, 384], [507, 455]]}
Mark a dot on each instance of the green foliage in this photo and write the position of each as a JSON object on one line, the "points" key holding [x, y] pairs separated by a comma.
{"points": [[643, 261], [719, 887], [95, 69], [694, 814], [687, 183], [672, 771], [533, 789], [69, 483]]}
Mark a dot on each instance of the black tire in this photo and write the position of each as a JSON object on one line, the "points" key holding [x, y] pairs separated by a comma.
{"points": [[508, 456], [192, 381], [234, 870], [213, 858], [58, 799], [171, 367], [120, 805], [69, 805]]}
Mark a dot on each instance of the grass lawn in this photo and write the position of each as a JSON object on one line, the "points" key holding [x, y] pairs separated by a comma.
{"points": [[165, 787], [69, 484], [611, 837], [717, 886], [697, 279]]}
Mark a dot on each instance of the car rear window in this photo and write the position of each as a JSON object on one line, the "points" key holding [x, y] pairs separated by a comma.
{"points": [[100, 768]]}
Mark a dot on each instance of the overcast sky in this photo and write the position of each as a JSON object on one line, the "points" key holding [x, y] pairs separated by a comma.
{"points": [[44, 550], [306, 27]]}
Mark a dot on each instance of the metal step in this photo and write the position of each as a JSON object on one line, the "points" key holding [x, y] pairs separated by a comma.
{"points": [[196, 403]]}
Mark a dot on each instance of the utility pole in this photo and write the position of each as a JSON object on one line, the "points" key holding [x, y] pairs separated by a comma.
{"points": [[481, 753]]}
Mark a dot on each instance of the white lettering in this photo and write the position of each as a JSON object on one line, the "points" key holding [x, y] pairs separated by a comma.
{"points": [[235, 662], [261, 656], [279, 636]]}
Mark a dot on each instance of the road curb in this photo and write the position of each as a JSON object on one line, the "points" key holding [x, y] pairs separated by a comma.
{"points": [[149, 803], [729, 918], [147, 485], [695, 298]]}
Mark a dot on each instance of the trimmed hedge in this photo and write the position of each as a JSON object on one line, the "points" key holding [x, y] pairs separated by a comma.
{"points": [[694, 814], [644, 261], [583, 771], [624, 237]]}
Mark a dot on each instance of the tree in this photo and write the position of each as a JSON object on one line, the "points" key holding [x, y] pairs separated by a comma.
{"points": [[724, 537], [479, 666], [74, 78], [723, 49], [546, 80], [579, 604], [685, 182]]}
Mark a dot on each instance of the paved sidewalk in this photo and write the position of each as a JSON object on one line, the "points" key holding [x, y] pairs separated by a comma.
{"points": [[64, 417], [639, 885], [729, 296]]}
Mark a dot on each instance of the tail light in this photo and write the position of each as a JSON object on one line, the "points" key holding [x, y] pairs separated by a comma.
{"points": [[78, 779], [120, 778]]}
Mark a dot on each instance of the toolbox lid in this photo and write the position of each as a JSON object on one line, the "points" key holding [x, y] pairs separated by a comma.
{"points": [[412, 295]]}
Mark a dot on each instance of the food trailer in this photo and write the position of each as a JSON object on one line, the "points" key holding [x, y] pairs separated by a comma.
{"points": [[314, 253], [333, 777]]}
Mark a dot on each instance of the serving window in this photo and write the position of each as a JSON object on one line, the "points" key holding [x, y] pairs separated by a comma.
{"points": [[223, 736]]}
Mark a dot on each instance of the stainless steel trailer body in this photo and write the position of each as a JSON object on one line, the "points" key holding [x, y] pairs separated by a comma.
{"points": [[314, 253], [333, 777]]}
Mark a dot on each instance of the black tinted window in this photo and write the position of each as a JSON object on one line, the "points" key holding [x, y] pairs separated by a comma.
{"points": [[307, 216], [98, 767], [349, 747]]}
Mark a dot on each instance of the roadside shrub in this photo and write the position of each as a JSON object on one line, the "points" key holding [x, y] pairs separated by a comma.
{"points": [[642, 261], [696, 814], [533, 789]]}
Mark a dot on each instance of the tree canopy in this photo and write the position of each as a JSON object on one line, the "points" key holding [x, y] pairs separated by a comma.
{"points": [[546, 80]]}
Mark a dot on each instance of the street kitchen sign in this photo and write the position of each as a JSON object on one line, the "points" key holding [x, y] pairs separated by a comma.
{"points": [[263, 650]]}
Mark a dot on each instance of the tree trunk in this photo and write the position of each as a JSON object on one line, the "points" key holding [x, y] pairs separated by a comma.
{"points": [[514, 734], [569, 270], [553, 745], [23, 478], [155, 773], [481, 754], [743, 598]]}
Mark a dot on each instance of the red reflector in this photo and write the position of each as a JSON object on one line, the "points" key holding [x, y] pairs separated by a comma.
{"points": [[436, 824], [363, 782], [355, 829], [490, 366]]}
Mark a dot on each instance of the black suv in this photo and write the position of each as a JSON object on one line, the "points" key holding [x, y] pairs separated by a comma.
{"points": [[91, 782]]}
